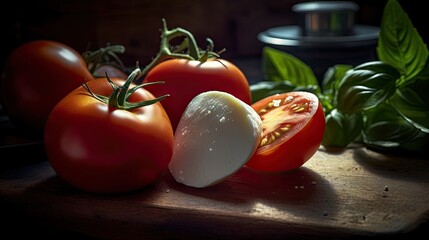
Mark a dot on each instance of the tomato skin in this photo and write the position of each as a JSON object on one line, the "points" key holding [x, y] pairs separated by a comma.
{"points": [[297, 146], [184, 79], [37, 75], [103, 150]]}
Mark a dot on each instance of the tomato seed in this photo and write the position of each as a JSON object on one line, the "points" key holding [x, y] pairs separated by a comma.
{"points": [[285, 128], [263, 141], [299, 107], [288, 99]]}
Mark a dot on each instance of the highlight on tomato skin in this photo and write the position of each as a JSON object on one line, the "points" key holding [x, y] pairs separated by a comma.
{"points": [[293, 127]]}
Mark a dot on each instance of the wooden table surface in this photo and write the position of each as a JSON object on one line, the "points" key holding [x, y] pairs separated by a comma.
{"points": [[355, 193]]}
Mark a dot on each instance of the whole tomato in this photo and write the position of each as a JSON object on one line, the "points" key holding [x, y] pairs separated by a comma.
{"points": [[293, 126], [184, 79], [100, 147], [105, 60], [36, 76], [110, 70]]}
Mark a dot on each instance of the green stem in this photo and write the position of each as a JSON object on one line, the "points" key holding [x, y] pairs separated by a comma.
{"points": [[189, 43], [168, 35], [165, 53], [209, 51]]}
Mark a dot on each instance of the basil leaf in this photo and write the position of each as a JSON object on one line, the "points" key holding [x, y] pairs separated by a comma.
{"points": [[420, 85], [361, 89], [399, 44], [386, 129], [341, 129], [332, 78], [264, 89], [380, 66], [280, 66], [412, 108]]}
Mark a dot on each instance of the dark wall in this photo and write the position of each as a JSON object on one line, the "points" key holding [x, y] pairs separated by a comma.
{"points": [[135, 23]]}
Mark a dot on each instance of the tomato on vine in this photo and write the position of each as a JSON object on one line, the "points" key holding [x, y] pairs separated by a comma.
{"points": [[188, 71], [184, 79], [105, 61], [109, 136]]}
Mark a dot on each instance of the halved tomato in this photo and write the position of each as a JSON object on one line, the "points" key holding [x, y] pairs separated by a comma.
{"points": [[293, 125]]}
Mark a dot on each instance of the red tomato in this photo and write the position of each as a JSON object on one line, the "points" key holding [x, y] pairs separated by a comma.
{"points": [[293, 125], [37, 75], [185, 79], [98, 148], [111, 71]]}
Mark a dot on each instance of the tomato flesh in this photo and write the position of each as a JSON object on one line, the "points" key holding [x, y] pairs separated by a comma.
{"points": [[293, 125]]}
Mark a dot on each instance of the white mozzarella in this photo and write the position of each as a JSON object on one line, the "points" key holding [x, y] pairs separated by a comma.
{"points": [[216, 136]]}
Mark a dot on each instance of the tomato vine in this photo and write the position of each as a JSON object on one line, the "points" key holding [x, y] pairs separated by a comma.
{"points": [[187, 49]]}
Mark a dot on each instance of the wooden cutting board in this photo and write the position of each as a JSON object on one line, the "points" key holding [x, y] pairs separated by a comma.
{"points": [[355, 193]]}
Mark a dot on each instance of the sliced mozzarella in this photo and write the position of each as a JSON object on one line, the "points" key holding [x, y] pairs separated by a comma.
{"points": [[216, 136]]}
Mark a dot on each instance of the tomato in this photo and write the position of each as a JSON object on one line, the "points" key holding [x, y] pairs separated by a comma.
{"points": [[293, 125], [106, 61], [37, 75], [184, 79], [103, 149], [111, 71]]}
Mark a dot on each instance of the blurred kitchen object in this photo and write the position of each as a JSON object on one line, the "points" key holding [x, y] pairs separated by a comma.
{"points": [[326, 35], [326, 19]]}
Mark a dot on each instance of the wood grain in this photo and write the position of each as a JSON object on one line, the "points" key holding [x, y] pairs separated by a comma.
{"points": [[355, 193]]}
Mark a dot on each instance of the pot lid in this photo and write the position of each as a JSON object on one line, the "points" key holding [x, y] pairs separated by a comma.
{"points": [[326, 6], [363, 35]]}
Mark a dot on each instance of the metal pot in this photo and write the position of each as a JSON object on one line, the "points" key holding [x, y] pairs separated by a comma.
{"points": [[325, 36], [329, 18]]}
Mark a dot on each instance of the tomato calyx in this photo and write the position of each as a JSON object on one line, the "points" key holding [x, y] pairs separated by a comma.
{"points": [[104, 56], [120, 95], [208, 53]]}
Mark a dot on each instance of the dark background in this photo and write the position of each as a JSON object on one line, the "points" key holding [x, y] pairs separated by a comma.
{"points": [[135, 24]]}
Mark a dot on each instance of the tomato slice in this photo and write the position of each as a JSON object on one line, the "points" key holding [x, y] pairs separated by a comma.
{"points": [[293, 125]]}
